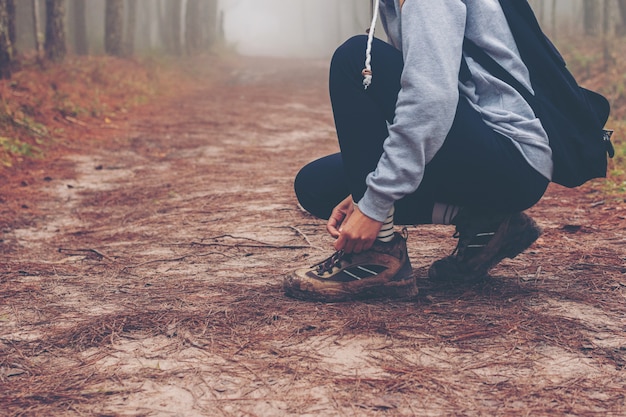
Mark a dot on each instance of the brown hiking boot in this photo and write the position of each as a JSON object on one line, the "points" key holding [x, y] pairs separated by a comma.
{"points": [[383, 271], [484, 241]]}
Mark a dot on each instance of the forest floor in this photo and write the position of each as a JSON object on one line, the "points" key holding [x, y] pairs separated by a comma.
{"points": [[141, 270]]}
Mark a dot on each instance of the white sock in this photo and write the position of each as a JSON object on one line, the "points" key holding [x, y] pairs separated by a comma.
{"points": [[386, 231], [444, 213]]}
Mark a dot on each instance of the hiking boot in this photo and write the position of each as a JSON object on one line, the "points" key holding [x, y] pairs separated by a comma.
{"points": [[484, 241], [383, 271]]}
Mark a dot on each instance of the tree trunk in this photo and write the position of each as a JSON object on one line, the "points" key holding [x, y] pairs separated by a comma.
{"points": [[131, 28], [81, 43], [149, 20], [193, 26], [170, 15], [622, 12], [165, 29], [12, 14], [173, 22], [590, 17], [114, 27], [55, 46], [606, 18], [24, 25], [214, 26], [37, 29], [6, 53]]}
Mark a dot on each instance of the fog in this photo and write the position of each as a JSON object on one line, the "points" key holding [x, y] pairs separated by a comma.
{"points": [[314, 28], [301, 28], [294, 28]]}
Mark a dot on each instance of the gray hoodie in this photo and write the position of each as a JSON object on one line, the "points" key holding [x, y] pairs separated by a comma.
{"points": [[430, 35]]}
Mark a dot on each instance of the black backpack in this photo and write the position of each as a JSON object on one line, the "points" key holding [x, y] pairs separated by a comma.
{"points": [[573, 117]]}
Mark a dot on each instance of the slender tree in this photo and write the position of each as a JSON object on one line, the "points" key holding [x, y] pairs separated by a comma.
{"points": [[590, 17], [176, 23], [6, 49], [37, 29], [131, 28], [12, 15], [193, 26], [24, 25], [81, 43], [622, 12], [214, 23], [606, 19], [148, 20], [55, 46], [114, 27], [170, 15]]}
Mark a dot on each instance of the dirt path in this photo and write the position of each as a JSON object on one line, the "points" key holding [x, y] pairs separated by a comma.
{"points": [[143, 278]]}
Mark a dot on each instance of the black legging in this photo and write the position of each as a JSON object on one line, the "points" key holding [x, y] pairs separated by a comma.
{"points": [[476, 167]]}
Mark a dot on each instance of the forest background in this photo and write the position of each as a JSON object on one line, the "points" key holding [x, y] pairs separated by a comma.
{"points": [[39, 37], [142, 243]]}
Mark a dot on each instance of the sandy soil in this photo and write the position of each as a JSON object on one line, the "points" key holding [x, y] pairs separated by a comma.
{"points": [[142, 277]]}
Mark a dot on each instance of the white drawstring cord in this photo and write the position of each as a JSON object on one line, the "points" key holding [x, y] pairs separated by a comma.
{"points": [[367, 71]]}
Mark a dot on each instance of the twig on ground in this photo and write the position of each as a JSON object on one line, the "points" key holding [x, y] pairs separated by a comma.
{"points": [[595, 265], [304, 237], [259, 243], [87, 252], [75, 121], [181, 258]]}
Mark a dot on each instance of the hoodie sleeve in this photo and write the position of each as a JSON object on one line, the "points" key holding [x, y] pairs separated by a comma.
{"points": [[431, 43]]}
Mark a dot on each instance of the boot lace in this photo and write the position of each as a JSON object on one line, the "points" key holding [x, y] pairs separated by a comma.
{"points": [[334, 261], [470, 241]]}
